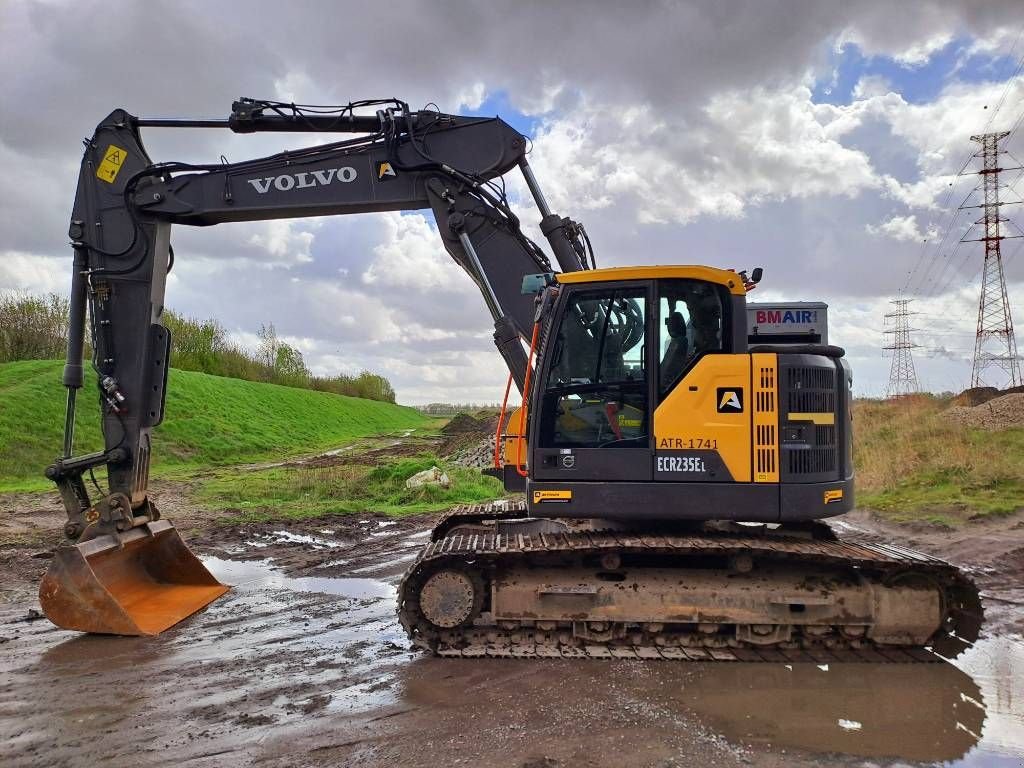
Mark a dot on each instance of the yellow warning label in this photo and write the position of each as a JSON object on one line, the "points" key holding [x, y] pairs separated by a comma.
{"points": [[113, 159], [833, 496], [542, 496]]}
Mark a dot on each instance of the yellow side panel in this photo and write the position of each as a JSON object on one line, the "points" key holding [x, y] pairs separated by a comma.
{"points": [[692, 413], [765, 413], [513, 448]]}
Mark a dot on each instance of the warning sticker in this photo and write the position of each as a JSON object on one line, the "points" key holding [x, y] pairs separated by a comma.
{"points": [[113, 159]]}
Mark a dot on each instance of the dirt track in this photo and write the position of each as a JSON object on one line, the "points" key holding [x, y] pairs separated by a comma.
{"points": [[303, 663]]}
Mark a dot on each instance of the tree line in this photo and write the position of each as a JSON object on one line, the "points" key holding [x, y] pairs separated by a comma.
{"points": [[36, 328]]}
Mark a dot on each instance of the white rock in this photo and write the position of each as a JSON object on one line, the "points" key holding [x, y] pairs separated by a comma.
{"points": [[432, 476]]}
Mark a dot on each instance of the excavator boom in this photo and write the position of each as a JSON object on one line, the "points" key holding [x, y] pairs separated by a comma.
{"points": [[122, 559]]}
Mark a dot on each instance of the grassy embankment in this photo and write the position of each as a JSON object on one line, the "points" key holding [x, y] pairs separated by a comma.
{"points": [[210, 421], [913, 462], [214, 423], [916, 464]]}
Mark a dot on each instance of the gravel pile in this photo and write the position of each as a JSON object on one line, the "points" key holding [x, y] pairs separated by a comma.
{"points": [[478, 455], [469, 440], [1001, 412]]}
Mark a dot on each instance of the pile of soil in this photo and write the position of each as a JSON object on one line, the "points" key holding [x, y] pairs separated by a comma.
{"points": [[1001, 412], [463, 423], [979, 395], [975, 396]]}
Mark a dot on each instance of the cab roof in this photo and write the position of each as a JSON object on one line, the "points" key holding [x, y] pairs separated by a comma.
{"points": [[725, 277]]}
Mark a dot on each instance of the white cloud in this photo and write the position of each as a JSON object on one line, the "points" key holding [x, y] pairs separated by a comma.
{"points": [[751, 147], [918, 54], [410, 257], [870, 86], [37, 274], [899, 228], [284, 240], [471, 97]]}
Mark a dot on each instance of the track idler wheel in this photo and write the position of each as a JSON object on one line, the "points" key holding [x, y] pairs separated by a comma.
{"points": [[451, 598]]}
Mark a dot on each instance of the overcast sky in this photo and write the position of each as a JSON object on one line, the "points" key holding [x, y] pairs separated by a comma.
{"points": [[816, 139]]}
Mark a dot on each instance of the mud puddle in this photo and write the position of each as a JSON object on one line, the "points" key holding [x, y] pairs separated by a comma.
{"points": [[276, 654], [970, 713]]}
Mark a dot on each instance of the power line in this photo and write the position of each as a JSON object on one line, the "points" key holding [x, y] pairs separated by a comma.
{"points": [[949, 226], [925, 277], [1009, 82]]}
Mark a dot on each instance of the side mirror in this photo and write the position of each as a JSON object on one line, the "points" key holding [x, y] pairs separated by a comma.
{"points": [[536, 283], [756, 275]]}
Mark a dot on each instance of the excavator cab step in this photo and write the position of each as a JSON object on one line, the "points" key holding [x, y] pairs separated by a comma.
{"points": [[138, 583]]}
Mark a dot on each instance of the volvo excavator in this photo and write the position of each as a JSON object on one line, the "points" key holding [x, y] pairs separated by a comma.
{"points": [[673, 475]]}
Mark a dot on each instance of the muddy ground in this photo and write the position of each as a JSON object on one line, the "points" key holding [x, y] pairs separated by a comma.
{"points": [[303, 663]]}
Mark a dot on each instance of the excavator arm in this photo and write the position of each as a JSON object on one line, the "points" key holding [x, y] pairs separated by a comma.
{"points": [[120, 232]]}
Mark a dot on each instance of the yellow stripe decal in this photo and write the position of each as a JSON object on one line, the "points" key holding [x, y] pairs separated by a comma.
{"points": [[817, 418]]}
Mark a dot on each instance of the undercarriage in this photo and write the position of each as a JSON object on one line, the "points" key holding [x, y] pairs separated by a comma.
{"points": [[493, 582]]}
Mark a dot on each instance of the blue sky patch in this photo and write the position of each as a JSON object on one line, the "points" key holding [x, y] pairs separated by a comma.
{"points": [[498, 103], [917, 84]]}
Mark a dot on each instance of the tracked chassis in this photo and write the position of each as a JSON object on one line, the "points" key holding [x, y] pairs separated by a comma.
{"points": [[494, 583]]}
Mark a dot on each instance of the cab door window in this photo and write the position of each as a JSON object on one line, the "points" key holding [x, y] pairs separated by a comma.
{"points": [[596, 390], [691, 326]]}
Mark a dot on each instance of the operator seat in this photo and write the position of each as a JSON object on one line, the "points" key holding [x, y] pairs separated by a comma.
{"points": [[674, 361]]}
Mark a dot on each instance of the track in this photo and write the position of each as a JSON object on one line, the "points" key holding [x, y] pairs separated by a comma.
{"points": [[486, 540]]}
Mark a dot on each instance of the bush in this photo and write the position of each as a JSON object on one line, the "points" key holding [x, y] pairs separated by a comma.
{"points": [[33, 327], [202, 345], [36, 328]]}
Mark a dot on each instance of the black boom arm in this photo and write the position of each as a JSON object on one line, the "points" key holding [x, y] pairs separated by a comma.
{"points": [[121, 236]]}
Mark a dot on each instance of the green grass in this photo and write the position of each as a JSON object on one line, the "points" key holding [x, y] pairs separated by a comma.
{"points": [[310, 492], [915, 464], [210, 421]]}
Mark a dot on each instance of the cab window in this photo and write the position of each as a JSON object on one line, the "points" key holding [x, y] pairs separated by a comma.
{"points": [[596, 391], [691, 326]]}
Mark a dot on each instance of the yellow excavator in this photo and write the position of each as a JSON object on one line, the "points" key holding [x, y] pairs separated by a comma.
{"points": [[674, 468]]}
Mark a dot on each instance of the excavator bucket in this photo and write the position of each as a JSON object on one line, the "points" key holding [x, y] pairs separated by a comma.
{"points": [[139, 584]]}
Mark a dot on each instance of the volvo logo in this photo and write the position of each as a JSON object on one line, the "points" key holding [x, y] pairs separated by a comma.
{"points": [[730, 400], [289, 181]]}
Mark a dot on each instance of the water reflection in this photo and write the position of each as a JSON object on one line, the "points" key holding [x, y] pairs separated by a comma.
{"points": [[997, 666], [919, 712]]}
